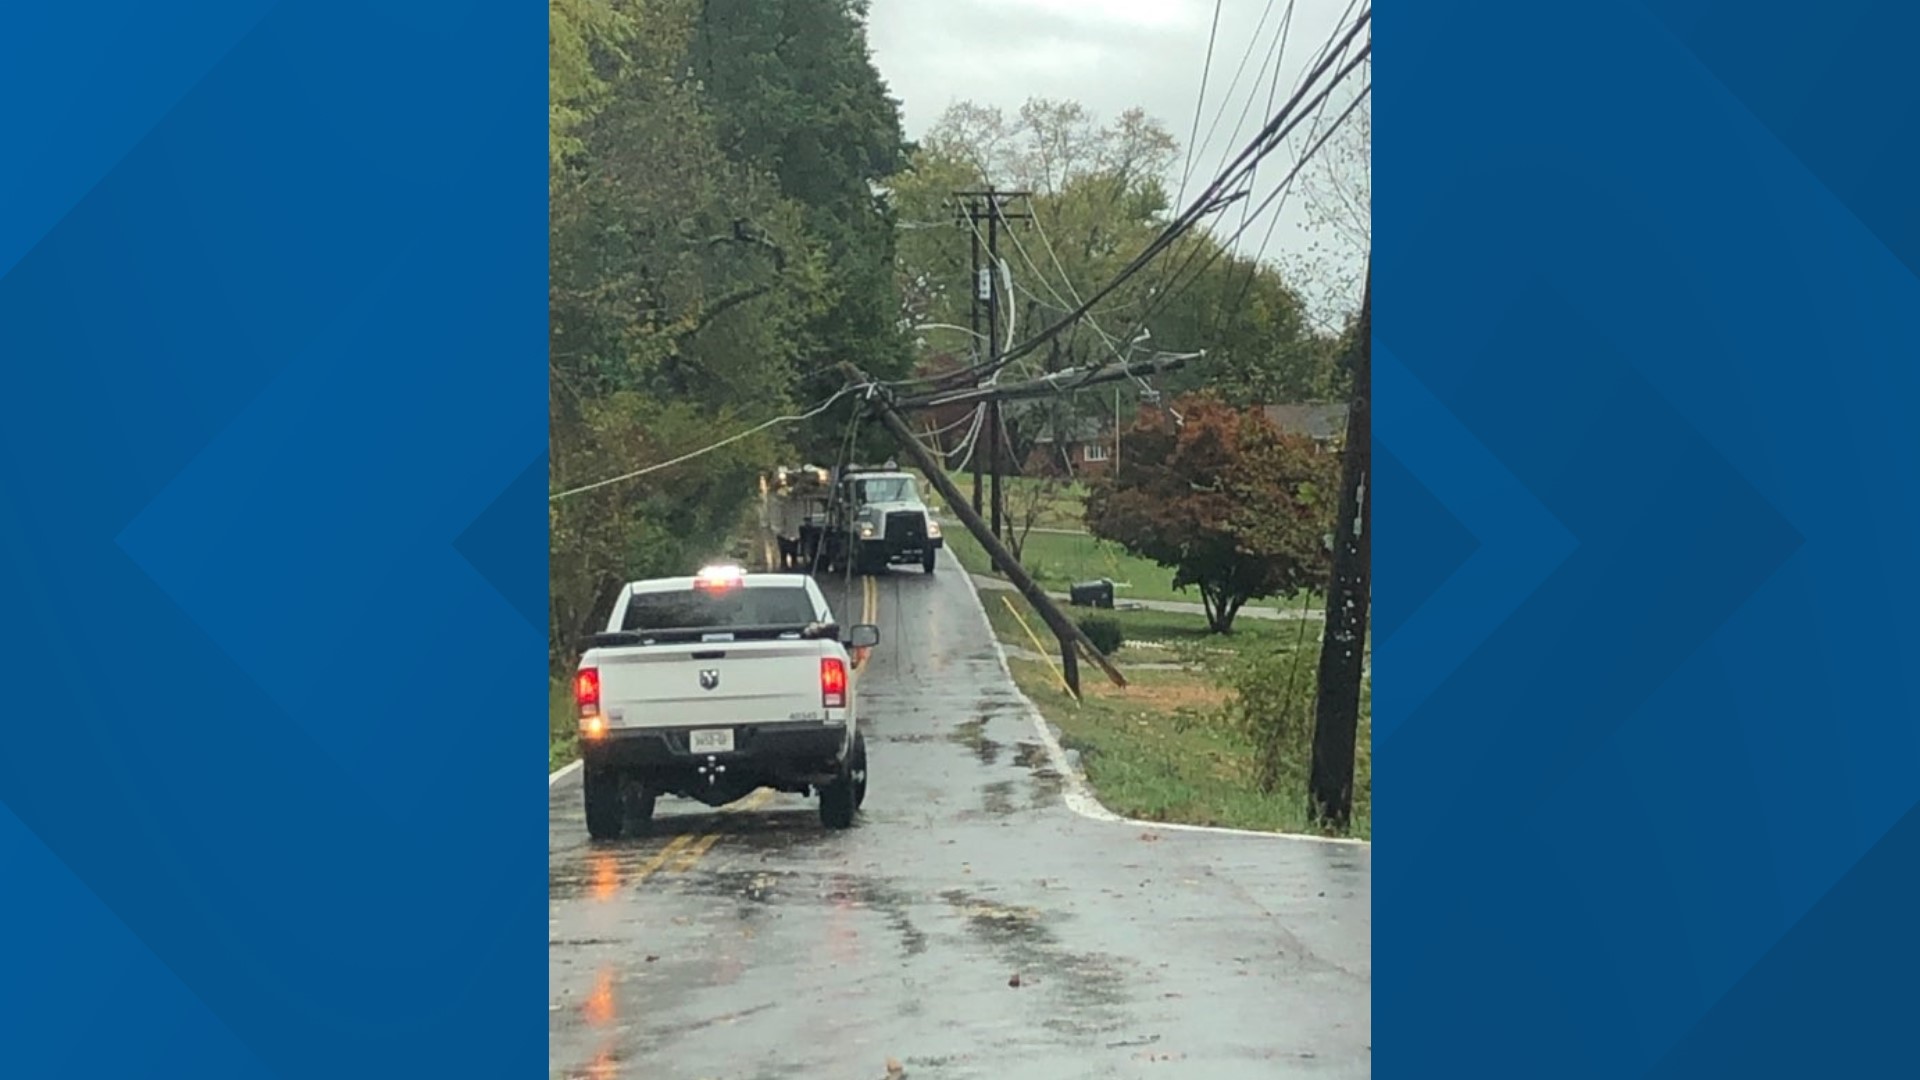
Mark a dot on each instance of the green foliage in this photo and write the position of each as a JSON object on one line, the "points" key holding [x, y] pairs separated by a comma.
{"points": [[1273, 702], [1104, 631], [701, 279], [1238, 510], [795, 96]]}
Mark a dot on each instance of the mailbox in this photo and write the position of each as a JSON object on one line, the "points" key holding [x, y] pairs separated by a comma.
{"points": [[1098, 594]]}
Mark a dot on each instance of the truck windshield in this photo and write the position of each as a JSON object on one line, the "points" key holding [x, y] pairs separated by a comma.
{"points": [[697, 609], [887, 489]]}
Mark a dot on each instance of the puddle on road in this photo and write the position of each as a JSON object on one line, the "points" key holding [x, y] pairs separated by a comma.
{"points": [[973, 735], [997, 797], [1089, 990], [757, 892], [1047, 781]]}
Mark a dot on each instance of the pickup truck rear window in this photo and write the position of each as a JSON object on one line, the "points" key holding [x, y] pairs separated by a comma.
{"points": [[696, 609]]}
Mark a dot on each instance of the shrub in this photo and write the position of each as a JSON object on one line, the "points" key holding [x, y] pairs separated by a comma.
{"points": [[1104, 631], [1273, 703], [1273, 700]]}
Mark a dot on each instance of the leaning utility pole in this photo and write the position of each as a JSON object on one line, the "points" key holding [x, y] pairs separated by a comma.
{"points": [[1336, 710], [1073, 640]]}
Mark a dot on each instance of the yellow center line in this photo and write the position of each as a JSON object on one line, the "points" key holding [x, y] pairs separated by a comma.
{"points": [[698, 848], [659, 859], [869, 613]]}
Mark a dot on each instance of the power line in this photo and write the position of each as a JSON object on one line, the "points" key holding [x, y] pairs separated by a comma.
{"points": [[1160, 301], [1273, 225], [728, 441], [1166, 296], [1253, 42], [1200, 102], [1208, 201]]}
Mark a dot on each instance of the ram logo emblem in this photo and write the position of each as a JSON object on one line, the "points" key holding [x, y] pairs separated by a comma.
{"points": [[709, 678]]}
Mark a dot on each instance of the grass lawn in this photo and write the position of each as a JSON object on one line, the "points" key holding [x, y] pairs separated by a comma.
{"points": [[1186, 637], [1058, 561], [1165, 748]]}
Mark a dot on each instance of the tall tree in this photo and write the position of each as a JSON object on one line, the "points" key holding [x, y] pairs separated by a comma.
{"points": [[1336, 191], [795, 95], [693, 287], [1236, 508]]}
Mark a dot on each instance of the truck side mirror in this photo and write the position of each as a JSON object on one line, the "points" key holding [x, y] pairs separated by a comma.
{"points": [[863, 636]]}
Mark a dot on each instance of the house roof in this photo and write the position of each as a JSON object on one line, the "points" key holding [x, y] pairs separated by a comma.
{"points": [[1316, 420]]}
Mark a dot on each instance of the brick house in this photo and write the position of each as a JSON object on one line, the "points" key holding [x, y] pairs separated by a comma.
{"points": [[1082, 448]]}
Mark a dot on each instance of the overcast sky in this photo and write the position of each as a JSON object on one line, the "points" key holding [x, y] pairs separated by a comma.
{"points": [[1109, 55]]}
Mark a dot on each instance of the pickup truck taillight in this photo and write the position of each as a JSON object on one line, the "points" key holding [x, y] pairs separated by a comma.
{"points": [[833, 683], [586, 691]]}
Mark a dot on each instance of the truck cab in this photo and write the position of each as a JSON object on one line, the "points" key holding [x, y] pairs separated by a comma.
{"points": [[884, 521]]}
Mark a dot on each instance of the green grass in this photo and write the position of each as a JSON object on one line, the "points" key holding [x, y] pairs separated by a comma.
{"points": [[1167, 748], [1188, 636]]}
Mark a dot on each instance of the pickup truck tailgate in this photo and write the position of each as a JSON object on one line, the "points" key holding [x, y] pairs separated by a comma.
{"points": [[709, 683]]}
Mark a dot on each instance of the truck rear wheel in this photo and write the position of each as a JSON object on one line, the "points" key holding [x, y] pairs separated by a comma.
{"points": [[859, 770], [639, 809], [605, 814], [927, 560], [840, 799]]}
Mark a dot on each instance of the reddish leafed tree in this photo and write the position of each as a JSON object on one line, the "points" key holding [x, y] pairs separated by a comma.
{"points": [[1236, 508]]}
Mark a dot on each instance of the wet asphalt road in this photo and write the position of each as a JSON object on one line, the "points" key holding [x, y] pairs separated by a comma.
{"points": [[750, 943]]}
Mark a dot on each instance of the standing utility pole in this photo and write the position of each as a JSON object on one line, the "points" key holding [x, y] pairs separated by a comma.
{"points": [[1336, 711], [976, 291], [987, 288]]}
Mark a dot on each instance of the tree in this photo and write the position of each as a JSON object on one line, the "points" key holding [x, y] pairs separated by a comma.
{"points": [[795, 96], [700, 277], [1236, 508], [1337, 193]]}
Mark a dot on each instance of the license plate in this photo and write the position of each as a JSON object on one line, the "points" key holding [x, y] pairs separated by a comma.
{"points": [[718, 741]]}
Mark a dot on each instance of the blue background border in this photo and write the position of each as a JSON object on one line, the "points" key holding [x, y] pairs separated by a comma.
{"points": [[1646, 357], [272, 539]]}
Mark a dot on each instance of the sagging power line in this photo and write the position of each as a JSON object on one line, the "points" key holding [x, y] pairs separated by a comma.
{"points": [[728, 441]]}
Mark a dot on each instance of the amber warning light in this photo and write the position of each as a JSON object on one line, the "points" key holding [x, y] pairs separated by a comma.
{"points": [[720, 578]]}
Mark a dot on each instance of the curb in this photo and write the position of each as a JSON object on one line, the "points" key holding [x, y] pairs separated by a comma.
{"points": [[1078, 793], [563, 772]]}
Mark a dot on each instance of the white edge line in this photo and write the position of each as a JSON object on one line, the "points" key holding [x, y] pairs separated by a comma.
{"points": [[1078, 794], [563, 772]]}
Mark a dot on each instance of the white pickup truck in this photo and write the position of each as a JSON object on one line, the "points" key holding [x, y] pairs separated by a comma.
{"points": [[711, 687]]}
